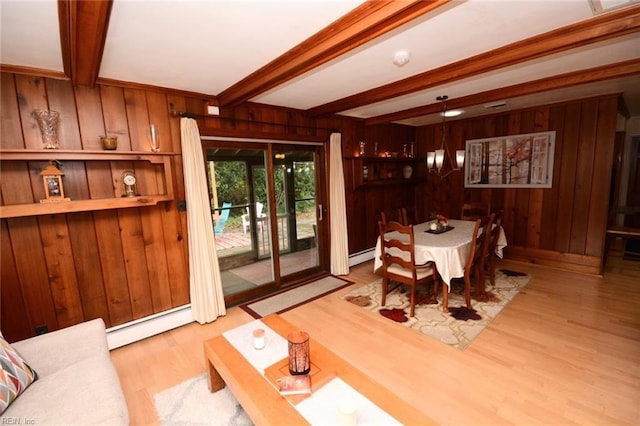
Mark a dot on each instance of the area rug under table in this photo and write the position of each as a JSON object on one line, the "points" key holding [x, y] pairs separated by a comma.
{"points": [[191, 403], [457, 328]]}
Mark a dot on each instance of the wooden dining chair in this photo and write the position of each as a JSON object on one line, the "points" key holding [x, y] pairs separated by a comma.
{"points": [[401, 266], [474, 211], [474, 265], [409, 216], [490, 259], [387, 216]]}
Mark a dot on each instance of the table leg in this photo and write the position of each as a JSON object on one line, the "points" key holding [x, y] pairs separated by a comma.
{"points": [[215, 380]]}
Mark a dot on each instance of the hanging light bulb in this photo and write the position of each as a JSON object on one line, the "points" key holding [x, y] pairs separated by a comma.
{"points": [[436, 159]]}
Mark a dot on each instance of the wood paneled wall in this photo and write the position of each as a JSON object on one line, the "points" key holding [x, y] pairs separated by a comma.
{"points": [[563, 226], [120, 264], [125, 264]]}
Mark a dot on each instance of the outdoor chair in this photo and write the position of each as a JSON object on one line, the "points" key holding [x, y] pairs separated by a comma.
{"points": [[221, 220], [246, 218]]}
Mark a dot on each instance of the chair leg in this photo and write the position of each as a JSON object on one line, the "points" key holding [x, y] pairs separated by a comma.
{"points": [[385, 287], [467, 290], [479, 281], [445, 297], [492, 271], [412, 309]]}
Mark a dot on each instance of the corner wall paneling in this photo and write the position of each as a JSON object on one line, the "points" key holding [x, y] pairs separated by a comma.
{"points": [[563, 226]]}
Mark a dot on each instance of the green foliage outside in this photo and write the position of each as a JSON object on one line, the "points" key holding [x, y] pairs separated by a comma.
{"points": [[232, 186]]}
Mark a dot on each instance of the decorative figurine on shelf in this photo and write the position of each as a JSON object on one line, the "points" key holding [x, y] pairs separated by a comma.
{"points": [[154, 142], [407, 171], [362, 147], [53, 188], [109, 143], [48, 124], [129, 181]]}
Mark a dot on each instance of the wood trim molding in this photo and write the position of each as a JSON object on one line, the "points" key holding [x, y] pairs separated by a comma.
{"points": [[600, 28], [83, 31], [368, 21], [38, 72], [148, 87], [605, 72], [564, 261]]}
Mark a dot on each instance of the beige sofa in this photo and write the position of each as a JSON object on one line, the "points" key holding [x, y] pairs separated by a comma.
{"points": [[77, 383]]}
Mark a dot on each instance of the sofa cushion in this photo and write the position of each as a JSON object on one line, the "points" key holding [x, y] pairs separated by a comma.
{"points": [[15, 376], [85, 393]]}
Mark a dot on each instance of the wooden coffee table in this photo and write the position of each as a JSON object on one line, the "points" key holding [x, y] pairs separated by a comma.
{"points": [[264, 404]]}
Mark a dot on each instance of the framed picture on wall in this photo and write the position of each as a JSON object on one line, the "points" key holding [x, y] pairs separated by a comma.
{"points": [[517, 161]]}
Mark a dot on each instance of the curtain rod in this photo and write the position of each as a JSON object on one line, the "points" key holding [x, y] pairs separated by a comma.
{"points": [[244, 120]]}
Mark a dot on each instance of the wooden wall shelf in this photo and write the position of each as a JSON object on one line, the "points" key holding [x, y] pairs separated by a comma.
{"points": [[20, 210], [383, 171], [160, 159]]}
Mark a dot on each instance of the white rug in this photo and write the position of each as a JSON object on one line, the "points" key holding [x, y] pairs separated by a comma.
{"points": [[191, 403], [289, 299]]}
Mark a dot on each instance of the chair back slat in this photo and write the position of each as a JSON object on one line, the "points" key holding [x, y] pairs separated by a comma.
{"points": [[474, 211], [495, 232], [405, 245]]}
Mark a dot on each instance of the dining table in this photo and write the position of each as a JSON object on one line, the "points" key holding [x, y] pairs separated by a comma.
{"points": [[448, 250]]}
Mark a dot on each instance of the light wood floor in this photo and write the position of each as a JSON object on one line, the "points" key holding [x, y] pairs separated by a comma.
{"points": [[566, 350]]}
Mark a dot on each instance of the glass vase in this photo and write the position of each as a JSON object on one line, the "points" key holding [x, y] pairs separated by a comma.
{"points": [[48, 124]]}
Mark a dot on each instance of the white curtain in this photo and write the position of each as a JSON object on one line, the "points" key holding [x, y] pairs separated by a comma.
{"points": [[207, 298], [337, 209]]}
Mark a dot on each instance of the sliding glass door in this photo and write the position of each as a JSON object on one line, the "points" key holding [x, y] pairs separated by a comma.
{"points": [[266, 202], [297, 207]]}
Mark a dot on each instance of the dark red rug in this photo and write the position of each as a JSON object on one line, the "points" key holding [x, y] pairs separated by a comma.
{"points": [[394, 314]]}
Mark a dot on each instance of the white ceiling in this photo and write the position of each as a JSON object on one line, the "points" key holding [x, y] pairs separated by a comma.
{"points": [[207, 46]]}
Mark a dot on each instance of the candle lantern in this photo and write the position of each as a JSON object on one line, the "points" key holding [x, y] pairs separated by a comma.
{"points": [[53, 188], [299, 359]]}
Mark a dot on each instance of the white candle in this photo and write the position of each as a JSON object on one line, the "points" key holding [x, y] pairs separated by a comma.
{"points": [[258, 338], [347, 414], [433, 226]]}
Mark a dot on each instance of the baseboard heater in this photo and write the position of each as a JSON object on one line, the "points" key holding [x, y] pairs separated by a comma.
{"points": [[361, 257], [142, 328]]}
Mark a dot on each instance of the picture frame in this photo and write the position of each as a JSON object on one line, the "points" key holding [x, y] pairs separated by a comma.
{"points": [[514, 161]]}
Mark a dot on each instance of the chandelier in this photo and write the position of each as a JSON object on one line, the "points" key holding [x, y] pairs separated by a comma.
{"points": [[435, 159]]}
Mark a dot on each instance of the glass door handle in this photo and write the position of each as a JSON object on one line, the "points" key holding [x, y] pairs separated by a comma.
{"points": [[320, 209]]}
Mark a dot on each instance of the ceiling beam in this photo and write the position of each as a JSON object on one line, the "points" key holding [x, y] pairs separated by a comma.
{"points": [[603, 27], [366, 22], [83, 31], [605, 72]]}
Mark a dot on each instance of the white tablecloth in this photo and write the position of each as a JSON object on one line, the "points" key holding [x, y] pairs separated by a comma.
{"points": [[448, 250]]}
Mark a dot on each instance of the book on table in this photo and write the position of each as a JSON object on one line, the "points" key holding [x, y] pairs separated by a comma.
{"points": [[294, 385]]}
